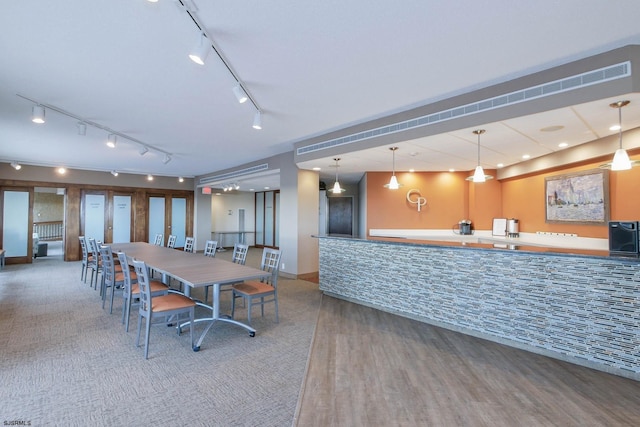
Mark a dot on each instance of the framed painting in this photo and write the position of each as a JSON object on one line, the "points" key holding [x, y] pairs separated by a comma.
{"points": [[578, 198]]}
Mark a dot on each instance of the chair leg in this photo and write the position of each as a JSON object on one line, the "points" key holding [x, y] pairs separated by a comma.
{"points": [[126, 324], [113, 292], [262, 306], [138, 334], [276, 303], [206, 294], [249, 304], [146, 340]]}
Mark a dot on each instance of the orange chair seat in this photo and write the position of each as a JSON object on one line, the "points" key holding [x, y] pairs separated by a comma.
{"points": [[170, 302], [253, 288], [120, 276], [155, 286]]}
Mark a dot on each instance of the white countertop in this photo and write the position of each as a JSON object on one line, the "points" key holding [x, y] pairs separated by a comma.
{"points": [[485, 236]]}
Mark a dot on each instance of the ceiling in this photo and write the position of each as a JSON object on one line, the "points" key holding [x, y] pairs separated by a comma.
{"points": [[310, 67]]}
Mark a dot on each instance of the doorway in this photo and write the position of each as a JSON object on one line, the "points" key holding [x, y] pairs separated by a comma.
{"points": [[340, 216]]}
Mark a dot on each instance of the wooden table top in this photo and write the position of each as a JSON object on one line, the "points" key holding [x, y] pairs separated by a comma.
{"points": [[194, 270]]}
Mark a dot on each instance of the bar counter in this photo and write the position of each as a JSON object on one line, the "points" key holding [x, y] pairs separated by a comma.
{"points": [[583, 307]]}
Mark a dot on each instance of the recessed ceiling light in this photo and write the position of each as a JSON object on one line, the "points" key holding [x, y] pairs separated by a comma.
{"points": [[62, 171], [412, 170], [525, 156], [615, 127], [317, 168], [452, 170], [552, 128], [500, 165], [563, 145], [149, 177], [266, 188], [413, 153]]}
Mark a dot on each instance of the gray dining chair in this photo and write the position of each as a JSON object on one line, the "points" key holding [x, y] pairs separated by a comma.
{"points": [[95, 263], [263, 291], [210, 247], [159, 240], [189, 243], [170, 306], [85, 258], [131, 289], [171, 241]]}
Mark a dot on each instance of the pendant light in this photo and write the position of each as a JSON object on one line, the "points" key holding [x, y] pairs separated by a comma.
{"points": [[393, 182], [336, 186], [620, 158], [479, 175]]}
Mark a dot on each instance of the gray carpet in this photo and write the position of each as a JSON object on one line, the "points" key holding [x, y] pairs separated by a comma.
{"points": [[65, 361]]}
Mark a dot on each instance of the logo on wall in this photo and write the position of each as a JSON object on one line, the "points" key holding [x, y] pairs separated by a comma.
{"points": [[414, 196]]}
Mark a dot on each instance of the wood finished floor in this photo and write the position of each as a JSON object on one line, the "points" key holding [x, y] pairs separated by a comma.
{"points": [[370, 368]]}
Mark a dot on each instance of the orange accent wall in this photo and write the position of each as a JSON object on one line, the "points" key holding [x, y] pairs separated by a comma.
{"points": [[451, 198]]}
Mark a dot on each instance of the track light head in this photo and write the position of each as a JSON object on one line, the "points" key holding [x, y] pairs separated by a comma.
{"points": [[17, 166], [37, 114], [111, 141], [143, 150], [257, 120], [114, 173], [82, 128], [200, 51], [166, 159], [240, 94]]}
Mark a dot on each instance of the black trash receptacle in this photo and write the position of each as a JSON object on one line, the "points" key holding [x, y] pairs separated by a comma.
{"points": [[42, 250]]}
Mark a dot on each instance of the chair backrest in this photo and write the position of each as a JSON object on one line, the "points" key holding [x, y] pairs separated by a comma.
{"points": [[94, 245], [239, 253], [210, 248], [271, 263], [159, 240], [122, 257], [188, 244], [143, 283], [171, 242], [85, 250], [108, 266]]}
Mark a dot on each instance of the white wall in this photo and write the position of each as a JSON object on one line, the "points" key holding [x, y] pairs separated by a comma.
{"points": [[224, 214]]}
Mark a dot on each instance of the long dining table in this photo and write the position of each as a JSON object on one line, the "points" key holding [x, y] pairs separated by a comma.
{"points": [[194, 271]]}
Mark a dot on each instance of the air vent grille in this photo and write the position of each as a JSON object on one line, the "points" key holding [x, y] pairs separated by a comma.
{"points": [[590, 78], [235, 174]]}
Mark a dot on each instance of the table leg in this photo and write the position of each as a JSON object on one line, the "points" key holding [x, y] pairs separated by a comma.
{"points": [[215, 316]]}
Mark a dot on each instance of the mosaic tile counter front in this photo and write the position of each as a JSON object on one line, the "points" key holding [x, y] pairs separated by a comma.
{"points": [[578, 308]]}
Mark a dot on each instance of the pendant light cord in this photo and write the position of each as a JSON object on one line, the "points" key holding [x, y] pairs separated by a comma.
{"points": [[620, 125]]}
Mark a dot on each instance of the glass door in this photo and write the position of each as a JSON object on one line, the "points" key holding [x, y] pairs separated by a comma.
{"points": [[156, 218], [267, 218], [16, 233], [121, 222], [179, 220], [93, 215]]}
